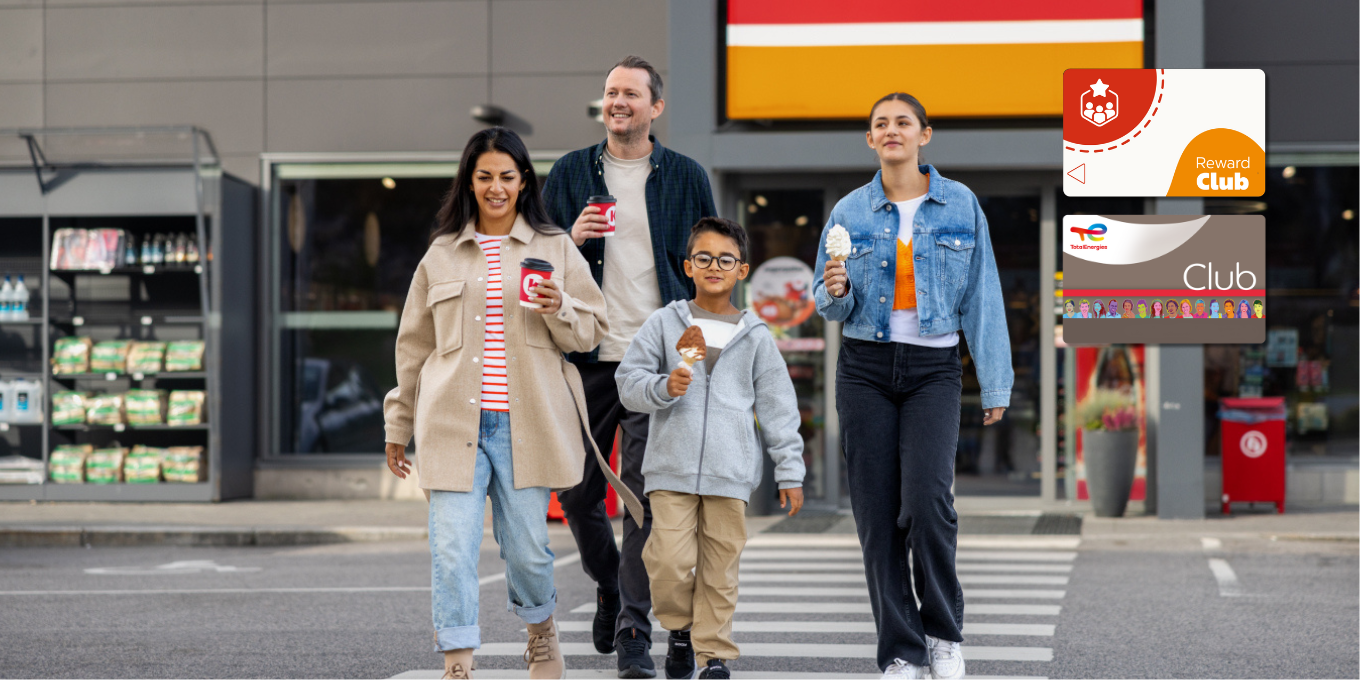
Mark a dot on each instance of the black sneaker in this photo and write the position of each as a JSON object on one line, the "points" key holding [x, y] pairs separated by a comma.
{"points": [[679, 655], [635, 658], [606, 612], [716, 669]]}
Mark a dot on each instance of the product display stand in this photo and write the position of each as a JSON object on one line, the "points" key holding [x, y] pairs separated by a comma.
{"points": [[145, 182]]}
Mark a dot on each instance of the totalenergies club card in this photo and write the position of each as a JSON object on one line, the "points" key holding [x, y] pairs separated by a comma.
{"points": [[1154, 279], [1164, 132]]}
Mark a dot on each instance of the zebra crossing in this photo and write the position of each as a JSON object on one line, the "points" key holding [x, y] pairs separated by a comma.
{"points": [[803, 600]]}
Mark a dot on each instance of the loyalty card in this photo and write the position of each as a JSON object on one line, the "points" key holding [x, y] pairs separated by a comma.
{"points": [[1164, 279], [1164, 132]]}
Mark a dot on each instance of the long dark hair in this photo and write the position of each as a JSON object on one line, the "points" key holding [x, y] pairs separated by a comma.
{"points": [[460, 206]]}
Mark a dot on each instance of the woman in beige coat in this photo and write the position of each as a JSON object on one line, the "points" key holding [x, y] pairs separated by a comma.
{"points": [[483, 387]]}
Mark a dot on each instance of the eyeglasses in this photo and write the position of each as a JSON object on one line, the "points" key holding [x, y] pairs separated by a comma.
{"points": [[703, 261]]}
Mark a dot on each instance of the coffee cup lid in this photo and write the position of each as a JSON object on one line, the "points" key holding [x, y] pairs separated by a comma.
{"points": [[536, 264], [601, 199]]}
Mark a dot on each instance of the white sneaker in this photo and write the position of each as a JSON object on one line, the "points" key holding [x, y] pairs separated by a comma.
{"points": [[946, 659], [901, 669]]}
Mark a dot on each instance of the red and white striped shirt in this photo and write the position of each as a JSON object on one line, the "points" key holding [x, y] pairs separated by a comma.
{"points": [[495, 386]]}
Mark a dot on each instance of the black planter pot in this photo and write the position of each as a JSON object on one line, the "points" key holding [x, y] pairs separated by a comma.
{"points": [[1111, 459]]}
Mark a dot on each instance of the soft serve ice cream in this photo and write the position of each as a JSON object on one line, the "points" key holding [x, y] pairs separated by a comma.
{"points": [[838, 243]]}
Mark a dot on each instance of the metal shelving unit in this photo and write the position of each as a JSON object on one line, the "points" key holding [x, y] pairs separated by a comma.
{"points": [[142, 180]]}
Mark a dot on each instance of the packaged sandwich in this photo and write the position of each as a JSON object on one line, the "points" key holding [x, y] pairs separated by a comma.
{"points": [[66, 465], [184, 355], [143, 465], [105, 466], [104, 409], [186, 408], [184, 464], [145, 357], [110, 356], [71, 355], [145, 407], [68, 408]]}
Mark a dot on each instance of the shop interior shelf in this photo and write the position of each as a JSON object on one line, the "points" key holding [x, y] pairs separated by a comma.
{"points": [[131, 428], [156, 319], [21, 322], [163, 375], [142, 269]]}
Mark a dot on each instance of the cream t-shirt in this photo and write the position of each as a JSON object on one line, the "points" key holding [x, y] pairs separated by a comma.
{"points": [[631, 291]]}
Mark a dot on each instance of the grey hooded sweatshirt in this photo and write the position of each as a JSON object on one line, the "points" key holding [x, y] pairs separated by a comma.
{"points": [[706, 441]]}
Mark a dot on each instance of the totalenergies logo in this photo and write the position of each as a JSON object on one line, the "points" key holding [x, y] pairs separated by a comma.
{"points": [[1095, 233]]}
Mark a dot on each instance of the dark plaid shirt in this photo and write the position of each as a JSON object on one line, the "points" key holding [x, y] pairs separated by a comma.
{"points": [[677, 192]]}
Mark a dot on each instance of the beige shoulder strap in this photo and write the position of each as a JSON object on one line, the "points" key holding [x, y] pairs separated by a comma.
{"points": [[578, 394]]}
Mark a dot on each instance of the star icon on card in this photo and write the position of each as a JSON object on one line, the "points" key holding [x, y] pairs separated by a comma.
{"points": [[1099, 87]]}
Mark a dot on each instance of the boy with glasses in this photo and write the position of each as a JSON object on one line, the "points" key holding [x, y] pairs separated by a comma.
{"points": [[714, 408]]}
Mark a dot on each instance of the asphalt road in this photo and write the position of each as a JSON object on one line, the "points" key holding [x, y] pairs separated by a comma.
{"points": [[1149, 607]]}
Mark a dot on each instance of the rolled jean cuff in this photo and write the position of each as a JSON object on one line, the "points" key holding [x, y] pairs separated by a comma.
{"points": [[537, 614], [458, 637]]}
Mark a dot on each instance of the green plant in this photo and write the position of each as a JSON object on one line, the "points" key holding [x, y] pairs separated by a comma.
{"points": [[1109, 410]]}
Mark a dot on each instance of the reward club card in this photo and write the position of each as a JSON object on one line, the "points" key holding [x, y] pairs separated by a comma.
{"points": [[1164, 132], [1155, 279]]}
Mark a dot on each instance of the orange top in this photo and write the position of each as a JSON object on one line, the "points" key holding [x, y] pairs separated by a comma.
{"points": [[904, 292]]}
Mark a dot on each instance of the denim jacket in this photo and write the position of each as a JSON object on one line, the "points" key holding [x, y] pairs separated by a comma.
{"points": [[957, 287]]}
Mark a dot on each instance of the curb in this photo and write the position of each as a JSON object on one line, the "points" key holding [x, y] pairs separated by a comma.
{"points": [[116, 536]]}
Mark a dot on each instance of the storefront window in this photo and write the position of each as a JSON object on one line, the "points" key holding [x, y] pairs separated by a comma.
{"points": [[785, 227], [343, 240], [1312, 344]]}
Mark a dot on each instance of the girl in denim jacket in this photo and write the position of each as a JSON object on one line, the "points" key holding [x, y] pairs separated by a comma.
{"points": [[920, 271]]}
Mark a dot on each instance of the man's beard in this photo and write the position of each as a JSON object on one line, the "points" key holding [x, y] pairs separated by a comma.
{"points": [[633, 135]]}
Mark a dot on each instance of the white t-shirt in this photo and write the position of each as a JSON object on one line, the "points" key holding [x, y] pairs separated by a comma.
{"points": [[904, 325], [631, 291]]}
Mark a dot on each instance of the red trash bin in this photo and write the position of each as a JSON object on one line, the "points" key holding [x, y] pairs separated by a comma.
{"points": [[1253, 451]]}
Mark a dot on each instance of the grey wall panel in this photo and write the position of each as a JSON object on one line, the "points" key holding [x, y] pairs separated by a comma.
{"points": [[154, 42], [87, 3], [232, 111], [146, 192], [556, 108], [21, 105], [246, 166], [1270, 31], [19, 193], [21, 3], [575, 36], [372, 114], [21, 44], [378, 38], [1312, 102]]}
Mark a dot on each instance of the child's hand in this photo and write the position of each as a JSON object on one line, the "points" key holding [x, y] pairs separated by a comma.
{"points": [[794, 498], [678, 383]]}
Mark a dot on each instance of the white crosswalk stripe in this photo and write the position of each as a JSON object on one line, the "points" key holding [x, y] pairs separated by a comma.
{"points": [[804, 596]]}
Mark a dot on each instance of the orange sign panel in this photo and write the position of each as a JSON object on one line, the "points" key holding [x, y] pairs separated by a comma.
{"points": [[813, 59]]}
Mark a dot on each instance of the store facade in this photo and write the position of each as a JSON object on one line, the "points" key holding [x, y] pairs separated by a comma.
{"points": [[342, 232]]}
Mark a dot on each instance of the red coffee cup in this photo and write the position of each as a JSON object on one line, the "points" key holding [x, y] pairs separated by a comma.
{"points": [[532, 271], [606, 204]]}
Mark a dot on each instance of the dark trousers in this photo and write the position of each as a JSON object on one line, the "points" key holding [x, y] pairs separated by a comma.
{"points": [[899, 411], [584, 504]]}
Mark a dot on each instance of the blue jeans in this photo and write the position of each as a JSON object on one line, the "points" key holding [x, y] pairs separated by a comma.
{"points": [[519, 522]]}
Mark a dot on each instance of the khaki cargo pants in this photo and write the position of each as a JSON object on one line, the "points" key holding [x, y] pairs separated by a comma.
{"points": [[692, 558]]}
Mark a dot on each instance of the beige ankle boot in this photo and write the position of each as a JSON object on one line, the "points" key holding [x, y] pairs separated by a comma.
{"points": [[544, 654], [457, 664]]}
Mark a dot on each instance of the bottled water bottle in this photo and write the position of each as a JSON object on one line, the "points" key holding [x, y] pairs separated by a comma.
{"points": [[6, 299], [19, 303]]}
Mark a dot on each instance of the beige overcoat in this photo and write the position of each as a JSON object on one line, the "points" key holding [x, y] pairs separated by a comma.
{"points": [[440, 349]]}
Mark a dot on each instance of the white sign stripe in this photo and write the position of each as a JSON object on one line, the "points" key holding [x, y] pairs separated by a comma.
{"points": [[935, 33], [779, 577], [803, 541], [802, 555], [843, 627], [978, 593], [863, 608], [495, 674], [802, 566], [851, 541], [1018, 568], [798, 650], [1016, 555], [1019, 542], [1012, 579]]}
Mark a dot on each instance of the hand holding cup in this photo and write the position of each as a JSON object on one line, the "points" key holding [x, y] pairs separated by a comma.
{"points": [[549, 298], [590, 224]]}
